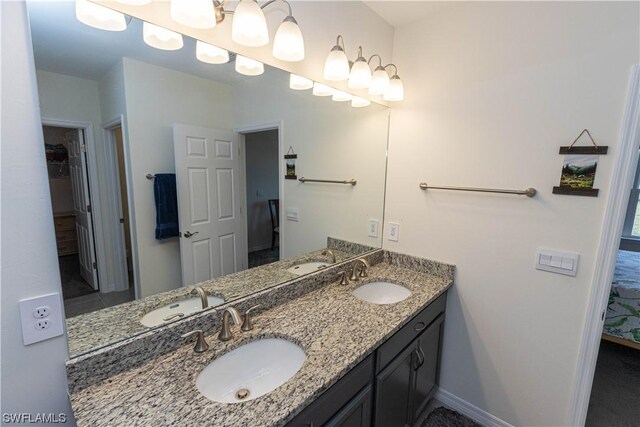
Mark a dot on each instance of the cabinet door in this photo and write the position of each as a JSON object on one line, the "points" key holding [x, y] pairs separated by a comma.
{"points": [[357, 413], [394, 390], [426, 368]]}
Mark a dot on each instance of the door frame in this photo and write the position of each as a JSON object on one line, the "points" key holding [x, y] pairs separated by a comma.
{"points": [[113, 194], [261, 127], [92, 179], [623, 173]]}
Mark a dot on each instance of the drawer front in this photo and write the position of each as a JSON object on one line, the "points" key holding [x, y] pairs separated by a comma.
{"points": [[63, 223], [65, 235], [67, 247], [409, 332]]}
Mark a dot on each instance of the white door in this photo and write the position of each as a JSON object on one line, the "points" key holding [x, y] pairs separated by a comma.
{"points": [[82, 208], [209, 202]]}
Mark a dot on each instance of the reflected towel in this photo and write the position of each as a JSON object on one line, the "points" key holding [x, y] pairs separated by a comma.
{"points": [[166, 198]]}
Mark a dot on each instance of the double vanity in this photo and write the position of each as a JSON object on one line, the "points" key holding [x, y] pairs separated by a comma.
{"points": [[314, 352]]}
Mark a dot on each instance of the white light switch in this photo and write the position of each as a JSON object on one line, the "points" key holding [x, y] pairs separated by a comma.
{"points": [[41, 318], [394, 231], [560, 262], [292, 214], [373, 228]]}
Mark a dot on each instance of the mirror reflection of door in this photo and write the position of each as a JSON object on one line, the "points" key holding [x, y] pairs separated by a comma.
{"points": [[124, 200], [263, 197]]}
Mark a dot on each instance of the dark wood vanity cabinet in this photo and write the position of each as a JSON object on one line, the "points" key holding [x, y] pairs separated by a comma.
{"points": [[391, 387]]}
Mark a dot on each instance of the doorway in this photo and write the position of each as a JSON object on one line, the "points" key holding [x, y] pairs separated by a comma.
{"points": [[263, 197]]}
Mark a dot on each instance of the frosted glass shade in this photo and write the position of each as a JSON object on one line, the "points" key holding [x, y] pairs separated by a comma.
{"points": [[161, 38], [194, 13], [379, 82], [320, 89], [249, 27], [360, 102], [297, 82], [360, 76], [248, 66], [288, 44], [395, 91], [341, 96], [134, 2], [211, 54], [100, 17], [336, 67]]}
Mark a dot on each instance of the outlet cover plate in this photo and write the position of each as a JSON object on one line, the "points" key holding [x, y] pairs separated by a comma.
{"points": [[30, 333]]}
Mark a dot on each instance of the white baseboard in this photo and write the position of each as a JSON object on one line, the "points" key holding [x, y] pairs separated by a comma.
{"points": [[478, 415]]}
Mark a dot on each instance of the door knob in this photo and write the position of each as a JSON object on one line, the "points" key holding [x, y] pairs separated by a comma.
{"points": [[188, 234]]}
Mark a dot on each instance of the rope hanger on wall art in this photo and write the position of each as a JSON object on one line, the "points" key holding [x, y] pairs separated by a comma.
{"points": [[579, 168]]}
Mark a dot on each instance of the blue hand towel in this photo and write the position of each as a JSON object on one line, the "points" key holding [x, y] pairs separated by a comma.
{"points": [[166, 197]]}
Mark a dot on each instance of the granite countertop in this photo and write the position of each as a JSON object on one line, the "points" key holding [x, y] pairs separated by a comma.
{"points": [[335, 329], [93, 330]]}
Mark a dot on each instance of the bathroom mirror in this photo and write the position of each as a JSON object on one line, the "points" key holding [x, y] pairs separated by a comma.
{"points": [[122, 121]]}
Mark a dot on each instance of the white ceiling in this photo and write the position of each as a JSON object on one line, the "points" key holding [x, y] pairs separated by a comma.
{"points": [[62, 44], [403, 12]]}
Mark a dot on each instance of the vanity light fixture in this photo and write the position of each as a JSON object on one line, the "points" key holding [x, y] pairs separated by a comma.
{"points": [[358, 102], [100, 17], [379, 79], [160, 37], [288, 44], [320, 89], [194, 13], [336, 67], [249, 26], [248, 66], [211, 54], [297, 82], [134, 2], [360, 76], [395, 91], [341, 96]]}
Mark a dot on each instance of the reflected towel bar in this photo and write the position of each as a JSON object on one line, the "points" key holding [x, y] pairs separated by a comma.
{"points": [[149, 176], [529, 192], [351, 181]]}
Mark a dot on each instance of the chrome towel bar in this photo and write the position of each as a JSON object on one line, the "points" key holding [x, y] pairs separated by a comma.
{"points": [[529, 192], [351, 181]]}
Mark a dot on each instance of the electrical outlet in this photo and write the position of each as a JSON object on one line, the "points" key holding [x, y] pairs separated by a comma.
{"points": [[373, 228], [394, 231], [42, 312], [42, 318], [42, 324]]}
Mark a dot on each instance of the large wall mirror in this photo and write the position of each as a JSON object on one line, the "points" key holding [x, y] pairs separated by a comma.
{"points": [[167, 173]]}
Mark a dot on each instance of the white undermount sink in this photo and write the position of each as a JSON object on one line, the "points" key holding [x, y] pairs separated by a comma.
{"points": [[381, 293], [172, 311], [250, 371], [307, 267]]}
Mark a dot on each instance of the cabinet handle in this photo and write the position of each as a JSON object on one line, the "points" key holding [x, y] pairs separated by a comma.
{"points": [[416, 360], [420, 354], [419, 326]]}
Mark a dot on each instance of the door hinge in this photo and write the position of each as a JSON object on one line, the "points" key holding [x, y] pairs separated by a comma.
{"points": [[95, 266], [121, 220], [89, 208]]}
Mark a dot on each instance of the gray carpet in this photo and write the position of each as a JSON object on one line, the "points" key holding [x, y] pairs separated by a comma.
{"points": [[445, 417], [265, 256], [615, 395], [73, 285]]}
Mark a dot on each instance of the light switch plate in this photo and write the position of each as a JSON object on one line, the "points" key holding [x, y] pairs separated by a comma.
{"points": [[394, 231], [372, 230], [41, 318], [292, 214], [561, 262]]}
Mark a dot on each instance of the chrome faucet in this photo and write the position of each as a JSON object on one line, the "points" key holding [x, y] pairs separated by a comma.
{"points": [[203, 296], [228, 314], [363, 270], [330, 253]]}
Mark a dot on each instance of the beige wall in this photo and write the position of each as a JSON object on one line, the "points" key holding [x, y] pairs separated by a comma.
{"points": [[493, 89]]}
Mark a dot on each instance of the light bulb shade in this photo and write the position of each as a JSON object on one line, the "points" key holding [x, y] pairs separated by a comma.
{"points": [[320, 89], [288, 44], [100, 17], [297, 82], [194, 13], [379, 82], [211, 54], [360, 102], [360, 76], [248, 66], [249, 27], [161, 38], [395, 91], [134, 2], [341, 96], [336, 67]]}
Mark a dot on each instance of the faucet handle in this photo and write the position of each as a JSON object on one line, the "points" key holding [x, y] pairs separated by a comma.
{"points": [[201, 343], [363, 271], [247, 324], [343, 277]]}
